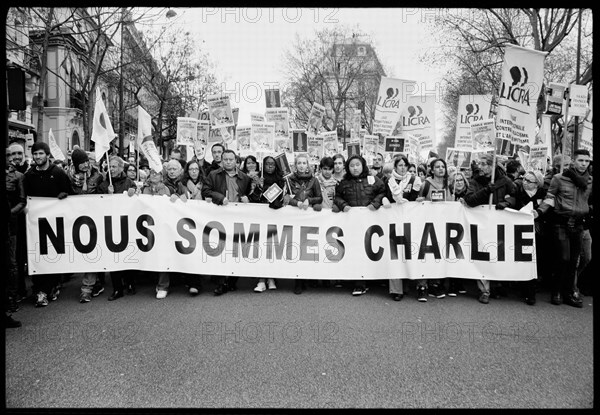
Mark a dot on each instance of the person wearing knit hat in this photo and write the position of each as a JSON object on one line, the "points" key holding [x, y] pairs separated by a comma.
{"points": [[45, 180], [84, 177], [17, 153]]}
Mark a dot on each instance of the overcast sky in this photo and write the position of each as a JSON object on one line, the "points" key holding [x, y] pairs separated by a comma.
{"points": [[248, 43]]}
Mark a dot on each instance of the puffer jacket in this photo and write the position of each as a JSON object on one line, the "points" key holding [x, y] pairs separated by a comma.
{"points": [[305, 187], [567, 199], [480, 188], [359, 192]]}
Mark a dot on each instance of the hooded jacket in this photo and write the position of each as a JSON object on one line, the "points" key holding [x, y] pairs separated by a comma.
{"points": [[47, 183]]}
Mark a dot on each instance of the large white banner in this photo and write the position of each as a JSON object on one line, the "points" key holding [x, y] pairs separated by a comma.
{"points": [[96, 233], [418, 120], [470, 108], [522, 78], [392, 99]]}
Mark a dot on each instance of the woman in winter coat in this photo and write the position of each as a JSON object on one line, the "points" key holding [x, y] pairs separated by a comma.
{"points": [[271, 176], [434, 188], [401, 187], [306, 192], [459, 184], [190, 186], [530, 189], [358, 189]]}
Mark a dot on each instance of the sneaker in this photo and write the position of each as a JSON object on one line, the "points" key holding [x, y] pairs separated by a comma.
{"points": [[42, 300], [484, 298], [422, 294], [260, 287], [271, 284], [574, 300], [10, 323], [160, 294], [459, 286], [337, 284], [131, 289], [436, 292], [298, 287], [359, 290], [54, 294], [85, 298], [97, 290], [193, 291], [452, 291]]}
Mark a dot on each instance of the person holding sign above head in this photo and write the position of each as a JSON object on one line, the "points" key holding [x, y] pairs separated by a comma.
{"points": [[224, 185], [480, 188], [401, 187], [435, 189], [269, 189], [305, 193], [358, 189]]}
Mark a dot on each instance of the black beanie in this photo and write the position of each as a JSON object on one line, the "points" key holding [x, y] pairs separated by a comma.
{"points": [[79, 156], [40, 145]]}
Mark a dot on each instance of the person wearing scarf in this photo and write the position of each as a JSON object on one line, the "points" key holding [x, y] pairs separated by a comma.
{"points": [[84, 177], [305, 193], [568, 201]]}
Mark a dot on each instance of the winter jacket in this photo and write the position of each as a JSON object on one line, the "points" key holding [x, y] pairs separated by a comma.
{"points": [[327, 190], [121, 184], [480, 188], [409, 187], [257, 195], [172, 184], [15, 193], [305, 187], [215, 185], [92, 180], [359, 192], [47, 183], [160, 189], [567, 199], [430, 185], [521, 199]]}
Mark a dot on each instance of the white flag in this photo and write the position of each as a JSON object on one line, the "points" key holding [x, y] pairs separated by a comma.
{"points": [[102, 131], [145, 142], [54, 148]]}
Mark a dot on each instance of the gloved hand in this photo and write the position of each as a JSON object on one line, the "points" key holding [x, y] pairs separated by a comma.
{"points": [[502, 205], [371, 207], [317, 207], [335, 209], [62, 195]]}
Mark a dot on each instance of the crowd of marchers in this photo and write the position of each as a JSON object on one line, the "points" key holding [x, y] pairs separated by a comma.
{"points": [[561, 199]]}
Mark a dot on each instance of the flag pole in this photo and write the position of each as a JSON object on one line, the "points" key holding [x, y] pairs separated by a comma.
{"points": [[137, 161], [566, 127], [493, 177], [108, 164]]}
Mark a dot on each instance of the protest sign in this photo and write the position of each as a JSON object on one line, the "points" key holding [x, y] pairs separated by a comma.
{"points": [[587, 136], [538, 159], [356, 124], [187, 131], [55, 150], [243, 135], [369, 148], [257, 117], [394, 144], [99, 233], [219, 108], [418, 119], [280, 117], [392, 99], [458, 157], [315, 149], [555, 98], [272, 98], [201, 141], [520, 87], [470, 108], [315, 119], [299, 141], [263, 135], [578, 97], [330, 143], [353, 149], [145, 142], [484, 134]]}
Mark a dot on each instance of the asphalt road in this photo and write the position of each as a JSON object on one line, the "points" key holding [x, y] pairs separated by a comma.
{"points": [[321, 349]]}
